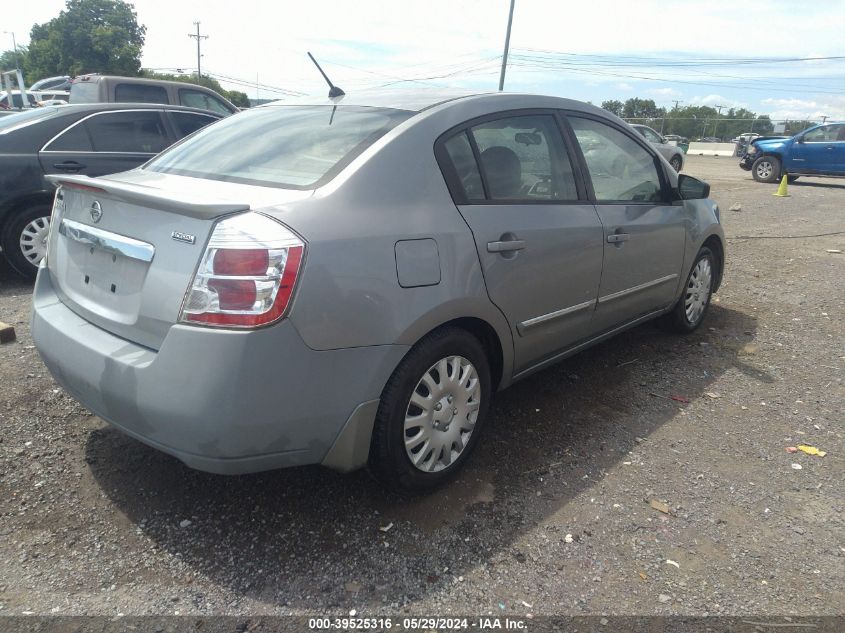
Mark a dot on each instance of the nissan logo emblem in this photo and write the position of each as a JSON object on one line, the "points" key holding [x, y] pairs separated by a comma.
{"points": [[96, 211]]}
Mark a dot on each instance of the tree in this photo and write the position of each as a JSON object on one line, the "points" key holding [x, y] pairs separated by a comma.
{"points": [[613, 106], [10, 61], [642, 109], [101, 36]]}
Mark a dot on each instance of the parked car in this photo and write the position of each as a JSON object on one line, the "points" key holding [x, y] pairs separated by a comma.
{"points": [[817, 151], [51, 95], [710, 139], [672, 153], [676, 138], [92, 139], [52, 84], [746, 137], [108, 89], [16, 101], [348, 283]]}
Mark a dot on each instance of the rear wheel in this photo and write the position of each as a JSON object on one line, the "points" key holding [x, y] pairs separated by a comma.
{"points": [[689, 312], [431, 412], [25, 239], [766, 169]]}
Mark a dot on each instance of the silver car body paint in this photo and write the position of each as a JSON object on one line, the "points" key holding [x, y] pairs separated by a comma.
{"points": [[389, 258]]}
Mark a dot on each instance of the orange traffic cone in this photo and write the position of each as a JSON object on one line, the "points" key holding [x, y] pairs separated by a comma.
{"points": [[782, 188]]}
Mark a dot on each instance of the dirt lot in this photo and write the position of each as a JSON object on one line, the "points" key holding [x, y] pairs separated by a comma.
{"points": [[551, 517]]}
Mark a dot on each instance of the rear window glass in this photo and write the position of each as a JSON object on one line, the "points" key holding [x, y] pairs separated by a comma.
{"points": [[293, 147], [187, 122], [17, 120], [74, 139], [84, 92], [136, 93]]}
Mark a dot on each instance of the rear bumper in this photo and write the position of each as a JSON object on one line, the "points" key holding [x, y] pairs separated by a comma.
{"points": [[219, 400]]}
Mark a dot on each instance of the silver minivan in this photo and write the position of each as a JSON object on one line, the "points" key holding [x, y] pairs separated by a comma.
{"points": [[347, 282]]}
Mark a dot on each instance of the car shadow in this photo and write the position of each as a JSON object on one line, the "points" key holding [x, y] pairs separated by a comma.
{"points": [[11, 283], [312, 539], [828, 184]]}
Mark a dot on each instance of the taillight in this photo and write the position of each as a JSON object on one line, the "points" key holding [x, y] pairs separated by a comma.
{"points": [[247, 274]]}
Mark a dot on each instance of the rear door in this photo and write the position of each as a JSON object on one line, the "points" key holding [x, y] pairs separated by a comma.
{"points": [[644, 234], [106, 143], [538, 238]]}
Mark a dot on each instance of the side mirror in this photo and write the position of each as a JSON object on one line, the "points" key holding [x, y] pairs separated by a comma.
{"points": [[691, 188], [800, 139]]}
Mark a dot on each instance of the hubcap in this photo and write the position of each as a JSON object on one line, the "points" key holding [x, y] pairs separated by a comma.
{"points": [[441, 414], [764, 169], [33, 241], [698, 290]]}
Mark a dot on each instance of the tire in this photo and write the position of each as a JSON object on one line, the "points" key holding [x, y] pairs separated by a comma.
{"points": [[676, 162], [698, 290], [791, 179], [447, 352], [21, 239], [766, 169]]}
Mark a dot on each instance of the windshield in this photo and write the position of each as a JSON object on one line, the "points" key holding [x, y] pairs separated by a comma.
{"points": [[27, 117], [293, 147]]}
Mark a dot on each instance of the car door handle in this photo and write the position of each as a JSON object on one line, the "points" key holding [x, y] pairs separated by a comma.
{"points": [[615, 238], [506, 246], [69, 165]]}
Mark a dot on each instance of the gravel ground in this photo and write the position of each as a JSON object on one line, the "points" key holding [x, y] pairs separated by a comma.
{"points": [[553, 514]]}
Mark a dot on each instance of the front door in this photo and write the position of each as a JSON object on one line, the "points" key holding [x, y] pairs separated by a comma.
{"points": [[538, 241], [821, 150], [643, 234]]}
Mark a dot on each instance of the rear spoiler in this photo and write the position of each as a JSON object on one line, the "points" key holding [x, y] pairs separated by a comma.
{"points": [[194, 206]]}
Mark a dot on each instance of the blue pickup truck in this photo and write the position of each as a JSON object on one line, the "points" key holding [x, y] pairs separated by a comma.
{"points": [[817, 151]]}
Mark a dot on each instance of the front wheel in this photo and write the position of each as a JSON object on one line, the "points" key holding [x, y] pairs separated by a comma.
{"points": [[25, 239], [766, 169], [431, 412], [689, 312], [676, 162]]}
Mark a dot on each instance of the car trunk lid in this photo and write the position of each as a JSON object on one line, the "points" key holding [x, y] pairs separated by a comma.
{"points": [[122, 254]]}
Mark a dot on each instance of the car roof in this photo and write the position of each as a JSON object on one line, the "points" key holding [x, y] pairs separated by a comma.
{"points": [[418, 100], [105, 107]]}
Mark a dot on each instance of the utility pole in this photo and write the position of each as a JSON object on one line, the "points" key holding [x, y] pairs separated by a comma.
{"points": [[676, 102], [824, 118], [15, 46], [716, 123], [199, 38], [507, 46]]}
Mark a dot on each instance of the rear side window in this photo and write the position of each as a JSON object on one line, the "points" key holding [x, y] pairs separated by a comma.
{"points": [[466, 169], [139, 93], [205, 101], [84, 92], [74, 139], [523, 158], [620, 168], [140, 132], [293, 147], [650, 136], [187, 122]]}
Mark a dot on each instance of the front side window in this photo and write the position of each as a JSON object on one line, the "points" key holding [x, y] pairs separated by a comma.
{"points": [[139, 93], [826, 134], [137, 132], [188, 122], [202, 100], [620, 168], [650, 135], [293, 147], [523, 158]]}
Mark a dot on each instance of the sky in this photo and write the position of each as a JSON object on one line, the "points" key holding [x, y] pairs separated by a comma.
{"points": [[696, 52]]}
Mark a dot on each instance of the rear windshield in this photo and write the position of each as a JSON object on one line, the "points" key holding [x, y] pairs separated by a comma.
{"points": [[27, 117], [84, 92], [293, 147]]}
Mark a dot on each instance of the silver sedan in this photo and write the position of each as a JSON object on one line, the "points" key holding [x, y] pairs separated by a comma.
{"points": [[347, 282]]}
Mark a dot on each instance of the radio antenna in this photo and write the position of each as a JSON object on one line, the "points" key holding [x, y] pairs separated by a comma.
{"points": [[334, 91]]}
